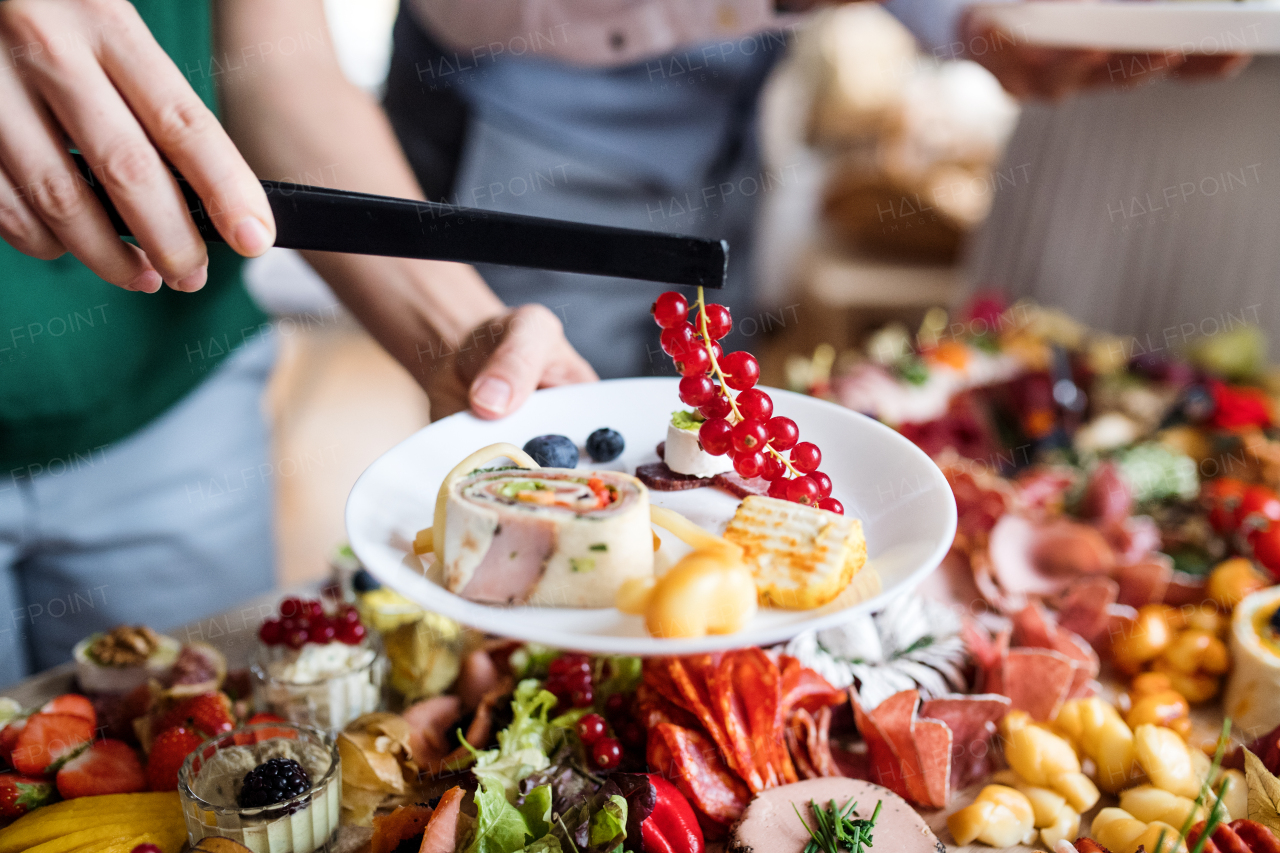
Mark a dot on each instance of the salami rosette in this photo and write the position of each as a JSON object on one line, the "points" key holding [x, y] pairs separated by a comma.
{"points": [[549, 537]]}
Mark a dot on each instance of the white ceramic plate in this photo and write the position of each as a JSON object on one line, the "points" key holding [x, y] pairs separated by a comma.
{"points": [[906, 507], [1249, 26]]}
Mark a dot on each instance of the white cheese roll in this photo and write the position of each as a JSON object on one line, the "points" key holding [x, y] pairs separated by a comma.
{"points": [[552, 537], [1252, 697]]}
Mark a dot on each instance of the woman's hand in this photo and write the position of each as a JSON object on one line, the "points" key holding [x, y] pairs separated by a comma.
{"points": [[1033, 71], [494, 369], [88, 74]]}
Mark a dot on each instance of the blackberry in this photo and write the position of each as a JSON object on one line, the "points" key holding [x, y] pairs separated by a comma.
{"points": [[363, 581], [272, 782], [605, 445]]}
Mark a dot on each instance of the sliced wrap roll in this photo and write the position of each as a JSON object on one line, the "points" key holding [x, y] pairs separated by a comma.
{"points": [[551, 537]]}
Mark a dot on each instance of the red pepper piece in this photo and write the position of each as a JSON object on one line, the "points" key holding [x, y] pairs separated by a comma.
{"points": [[672, 824]]}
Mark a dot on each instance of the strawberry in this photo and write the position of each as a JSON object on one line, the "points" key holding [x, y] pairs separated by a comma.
{"points": [[259, 736], [9, 737], [48, 739], [21, 794], [168, 751], [107, 767], [208, 713], [76, 706]]}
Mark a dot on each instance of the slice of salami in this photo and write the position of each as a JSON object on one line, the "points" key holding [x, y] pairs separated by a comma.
{"points": [[755, 679], [735, 483], [884, 768], [933, 741], [1037, 681], [972, 721], [804, 688], [799, 735], [660, 478], [689, 760], [895, 717]]}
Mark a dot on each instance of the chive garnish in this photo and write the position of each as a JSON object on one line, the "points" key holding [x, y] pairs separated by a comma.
{"points": [[837, 830]]}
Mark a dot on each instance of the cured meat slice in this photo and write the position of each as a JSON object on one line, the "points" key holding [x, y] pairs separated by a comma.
{"points": [[804, 688], [742, 486], [660, 478], [1083, 607], [933, 740], [1144, 582], [1037, 681], [972, 721], [753, 681], [895, 717], [883, 764], [689, 759]]}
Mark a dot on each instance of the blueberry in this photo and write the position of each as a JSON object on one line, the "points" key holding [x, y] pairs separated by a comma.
{"points": [[605, 445], [552, 451], [362, 581]]}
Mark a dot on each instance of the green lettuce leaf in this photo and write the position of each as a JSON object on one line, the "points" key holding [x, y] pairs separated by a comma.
{"points": [[500, 827], [609, 825], [522, 747], [546, 844], [536, 809], [624, 675]]}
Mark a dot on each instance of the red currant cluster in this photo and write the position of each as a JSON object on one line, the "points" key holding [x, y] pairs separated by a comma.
{"points": [[302, 621], [743, 425], [570, 678]]}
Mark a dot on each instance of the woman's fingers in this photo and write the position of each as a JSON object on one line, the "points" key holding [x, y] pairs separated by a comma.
{"points": [[529, 355], [42, 175], [123, 159], [21, 228], [188, 134]]}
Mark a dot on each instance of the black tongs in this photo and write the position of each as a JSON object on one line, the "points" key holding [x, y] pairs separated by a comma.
{"points": [[325, 220]]}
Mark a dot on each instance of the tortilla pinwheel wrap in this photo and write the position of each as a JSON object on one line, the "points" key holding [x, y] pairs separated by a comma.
{"points": [[548, 537]]}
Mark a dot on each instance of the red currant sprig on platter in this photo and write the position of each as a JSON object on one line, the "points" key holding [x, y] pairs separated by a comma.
{"points": [[742, 425]]}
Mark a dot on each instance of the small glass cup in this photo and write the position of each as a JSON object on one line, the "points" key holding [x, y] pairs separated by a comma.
{"points": [[327, 703], [304, 824]]}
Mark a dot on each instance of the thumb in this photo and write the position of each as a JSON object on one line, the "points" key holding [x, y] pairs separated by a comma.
{"points": [[516, 366]]}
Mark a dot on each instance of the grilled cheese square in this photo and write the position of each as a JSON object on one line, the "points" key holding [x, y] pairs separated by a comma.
{"points": [[801, 557]]}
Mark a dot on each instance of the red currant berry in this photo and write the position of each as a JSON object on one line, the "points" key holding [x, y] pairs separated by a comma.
{"points": [[670, 309], [754, 403], [315, 610], [741, 370], [749, 464], [717, 351], [297, 638], [716, 436], [146, 848], [591, 728], [288, 623], [323, 633], [351, 634], [831, 505], [783, 433], [349, 614], [291, 607], [632, 734], [824, 484], [271, 632], [577, 680], [303, 623], [803, 490], [718, 407], [615, 706], [606, 753], [773, 467], [749, 436], [719, 321], [778, 488], [697, 390], [693, 361], [806, 457], [582, 698], [678, 339]]}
